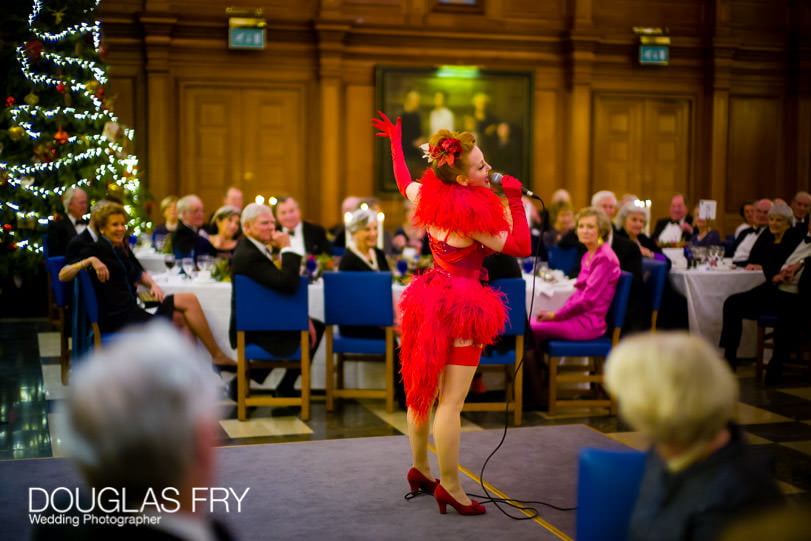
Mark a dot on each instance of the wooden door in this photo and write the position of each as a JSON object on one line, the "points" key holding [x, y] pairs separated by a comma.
{"points": [[210, 142], [272, 159], [641, 146], [252, 139]]}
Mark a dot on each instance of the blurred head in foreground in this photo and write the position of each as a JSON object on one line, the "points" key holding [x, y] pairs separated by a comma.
{"points": [[142, 413]]}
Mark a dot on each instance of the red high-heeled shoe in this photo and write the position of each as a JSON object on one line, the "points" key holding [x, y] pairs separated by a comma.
{"points": [[417, 481], [443, 499]]}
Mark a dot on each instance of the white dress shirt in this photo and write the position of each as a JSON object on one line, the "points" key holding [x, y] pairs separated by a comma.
{"points": [[742, 251]]}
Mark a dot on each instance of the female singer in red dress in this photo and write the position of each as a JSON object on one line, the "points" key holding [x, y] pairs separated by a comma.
{"points": [[447, 315]]}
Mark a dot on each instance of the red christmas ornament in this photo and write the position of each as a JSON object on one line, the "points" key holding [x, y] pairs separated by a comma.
{"points": [[100, 92], [61, 136], [7, 227], [10, 101], [60, 88], [34, 49], [102, 50]]}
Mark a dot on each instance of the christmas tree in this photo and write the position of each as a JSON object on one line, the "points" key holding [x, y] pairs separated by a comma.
{"points": [[58, 130]]}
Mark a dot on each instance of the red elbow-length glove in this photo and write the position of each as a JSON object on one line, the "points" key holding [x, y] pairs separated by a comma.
{"points": [[518, 242], [395, 133]]}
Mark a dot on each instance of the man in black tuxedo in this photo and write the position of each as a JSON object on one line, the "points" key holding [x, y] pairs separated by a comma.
{"points": [[189, 239], [60, 232], [678, 227], [801, 206], [745, 241], [305, 237], [254, 258]]}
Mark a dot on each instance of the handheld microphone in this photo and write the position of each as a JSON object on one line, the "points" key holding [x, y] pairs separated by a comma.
{"points": [[496, 177]]}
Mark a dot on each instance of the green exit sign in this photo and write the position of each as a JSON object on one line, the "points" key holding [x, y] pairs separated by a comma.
{"points": [[654, 54], [246, 38]]}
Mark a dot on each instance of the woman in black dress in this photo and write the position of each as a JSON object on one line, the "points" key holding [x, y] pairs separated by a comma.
{"points": [[116, 274]]}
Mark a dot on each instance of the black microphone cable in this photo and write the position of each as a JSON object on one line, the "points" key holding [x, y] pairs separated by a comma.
{"points": [[525, 506]]}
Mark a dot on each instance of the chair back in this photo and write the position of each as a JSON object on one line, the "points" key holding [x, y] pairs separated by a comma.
{"points": [[562, 258], [85, 296], [607, 488], [358, 298], [654, 276], [259, 308], [619, 306], [60, 290], [514, 290]]}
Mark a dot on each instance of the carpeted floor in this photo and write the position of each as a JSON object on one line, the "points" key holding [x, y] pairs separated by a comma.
{"points": [[353, 490]]}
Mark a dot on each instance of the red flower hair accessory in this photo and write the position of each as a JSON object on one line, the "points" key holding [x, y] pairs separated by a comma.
{"points": [[446, 152]]}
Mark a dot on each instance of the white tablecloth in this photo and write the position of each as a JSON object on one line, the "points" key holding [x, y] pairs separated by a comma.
{"points": [[215, 299], [151, 262], [706, 291]]}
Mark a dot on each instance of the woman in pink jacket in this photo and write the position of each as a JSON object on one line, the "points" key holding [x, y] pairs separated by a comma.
{"points": [[583, 315]]}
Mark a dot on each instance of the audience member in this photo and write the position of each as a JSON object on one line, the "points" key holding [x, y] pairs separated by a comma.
{"points": [[305, 237], [362, 254], [801, 205], [226, 223], [232, 198], [704, 234], [189, 239], [739, 251], [168, 209], [60, 232], [678, 227], [630, 258], [607, 202], [409, 239], [141, 418], [633, 218], [254, 258], [116, 273], [338, 231], [582, 317], [794, 316], [768, 255], [700, 475], [561, 216], [747, 212]]}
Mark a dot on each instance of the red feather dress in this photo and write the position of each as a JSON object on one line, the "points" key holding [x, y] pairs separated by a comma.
{"points": [[449, 302]]}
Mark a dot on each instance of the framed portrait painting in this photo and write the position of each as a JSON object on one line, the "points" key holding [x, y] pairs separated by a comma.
{"points": [[495, 106]]}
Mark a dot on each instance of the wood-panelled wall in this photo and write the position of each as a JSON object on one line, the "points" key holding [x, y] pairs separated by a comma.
{"points": [[728, 119]]}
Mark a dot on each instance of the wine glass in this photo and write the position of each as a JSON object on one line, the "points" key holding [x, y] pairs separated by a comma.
{"points": [[205, 265], [169, 261], [527, 264], [187, 264], [159, 241]]}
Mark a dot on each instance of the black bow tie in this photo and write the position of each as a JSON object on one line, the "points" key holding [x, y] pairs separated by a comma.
{"points": [[81, 222], [291, 232], [675, 222], [807, 239]]}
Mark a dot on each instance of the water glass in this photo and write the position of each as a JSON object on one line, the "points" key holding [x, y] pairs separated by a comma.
{"points": [[187, 264], [527, 264], [205, 263], [159, 241]]}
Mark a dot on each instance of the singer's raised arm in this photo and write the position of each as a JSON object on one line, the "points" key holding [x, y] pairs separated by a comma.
{"points": [[407, 186]]}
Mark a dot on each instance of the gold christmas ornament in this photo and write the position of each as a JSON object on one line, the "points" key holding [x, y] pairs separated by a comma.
{"points": [[31, 98], [16, 133], [92, 86], [61, 136]]}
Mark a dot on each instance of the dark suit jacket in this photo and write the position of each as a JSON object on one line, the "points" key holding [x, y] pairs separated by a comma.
{"points": [[661, 224], [60, 234], [315, 239], [249, 261], [77, 245], [771, 256], [186, 242]]}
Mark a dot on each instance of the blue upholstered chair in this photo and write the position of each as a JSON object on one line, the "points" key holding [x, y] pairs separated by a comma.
{"points": [[607, 488], [259, 308], [60, 291], [356, 298], [562, 258], [86, 333], [654, 276], [509, 361], [596, 350]]}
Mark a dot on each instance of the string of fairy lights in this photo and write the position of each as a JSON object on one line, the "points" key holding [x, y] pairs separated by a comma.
{"points": [[116, 163]]}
